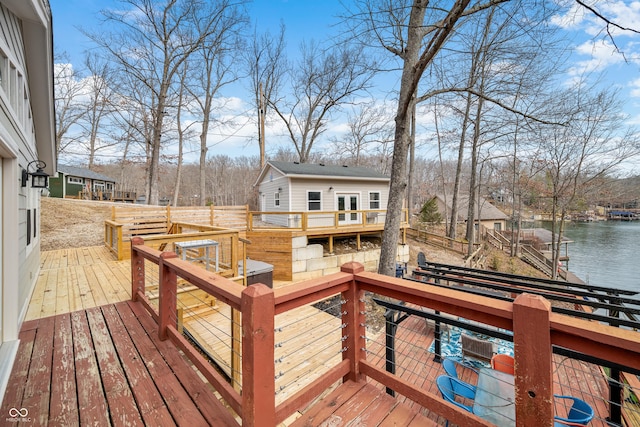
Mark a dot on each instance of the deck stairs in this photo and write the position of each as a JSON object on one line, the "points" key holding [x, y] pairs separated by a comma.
{"points": [[528, 253]]}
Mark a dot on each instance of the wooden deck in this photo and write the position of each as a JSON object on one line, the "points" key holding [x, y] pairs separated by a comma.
{"points": [[361, 404], [105, 366], [78, 279], [93, 357]]}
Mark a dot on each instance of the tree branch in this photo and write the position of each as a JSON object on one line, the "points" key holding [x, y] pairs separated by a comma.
{"points": [[605, 19], [486, 98]]}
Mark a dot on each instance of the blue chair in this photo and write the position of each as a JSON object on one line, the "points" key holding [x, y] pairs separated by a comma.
{"points": [[579, 414], [469, 390], [447, 386]]}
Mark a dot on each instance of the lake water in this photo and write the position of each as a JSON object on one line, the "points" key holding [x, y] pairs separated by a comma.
{"points": [[606, 253]]}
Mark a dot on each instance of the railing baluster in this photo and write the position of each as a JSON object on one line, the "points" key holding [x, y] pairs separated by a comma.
{"points": [[137, 269], [168, 294]]}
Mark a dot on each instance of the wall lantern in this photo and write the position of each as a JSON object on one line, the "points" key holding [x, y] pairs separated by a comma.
{"points": [[39, 178], [330, 188]]}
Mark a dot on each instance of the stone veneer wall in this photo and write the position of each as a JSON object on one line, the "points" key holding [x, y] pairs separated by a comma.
{"points": [[309, 262]]}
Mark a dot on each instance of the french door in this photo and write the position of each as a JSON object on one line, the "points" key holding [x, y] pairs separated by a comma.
{"points": [[348, 203]]}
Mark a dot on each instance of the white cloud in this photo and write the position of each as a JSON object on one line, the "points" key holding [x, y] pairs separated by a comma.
{"points": [[600, 55], [573, 16], [635, 88]]}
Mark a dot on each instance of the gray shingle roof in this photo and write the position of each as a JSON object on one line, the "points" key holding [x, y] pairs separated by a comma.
{"points": [[289, 168], [84, 173], [487, 210]]}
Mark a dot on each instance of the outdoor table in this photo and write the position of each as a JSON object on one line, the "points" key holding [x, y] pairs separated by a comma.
{"points": [[181, 248], [495, 398]]}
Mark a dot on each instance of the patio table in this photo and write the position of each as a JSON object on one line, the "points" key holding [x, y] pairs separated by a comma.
{"points": [[183, 247], [495, 398]]}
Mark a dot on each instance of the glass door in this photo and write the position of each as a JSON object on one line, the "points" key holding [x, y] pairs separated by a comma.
{"points": [[349, 204]]}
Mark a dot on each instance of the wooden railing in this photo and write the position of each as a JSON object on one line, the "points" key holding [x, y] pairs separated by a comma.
{"points": [[535, 330], [439, 240], [304, 221], [153, 221]]}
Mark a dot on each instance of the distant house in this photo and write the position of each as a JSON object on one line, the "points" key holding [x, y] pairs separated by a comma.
{"points": [[301, 187], [27, 146], [71, 180], [491, 217]]}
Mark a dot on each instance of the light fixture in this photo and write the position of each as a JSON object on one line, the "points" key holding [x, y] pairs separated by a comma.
{"points": [[39, 178], [330, 188], [279, 188]]}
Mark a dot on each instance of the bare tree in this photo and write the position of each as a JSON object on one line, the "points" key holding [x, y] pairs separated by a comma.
{"points": [[592, 143], [213, 68], [150, 40], [322, 82], [406, 30], [266, 64], [368, 129], [97, 107], [68, 91]]}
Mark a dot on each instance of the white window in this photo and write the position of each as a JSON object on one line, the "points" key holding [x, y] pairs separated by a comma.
{"points": [[75, 180], [374, 200], [276, 199], [314, 200]]}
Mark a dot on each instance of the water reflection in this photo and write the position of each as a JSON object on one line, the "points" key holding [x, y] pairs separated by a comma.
{"points": [[605, 253]]}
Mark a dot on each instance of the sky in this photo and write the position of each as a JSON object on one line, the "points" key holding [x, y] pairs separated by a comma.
{"points": [[312, 19]]}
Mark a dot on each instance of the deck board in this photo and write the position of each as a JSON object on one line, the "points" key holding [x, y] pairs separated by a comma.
{"points": [[81, 279], [78, 279], [152, 407], [64, 400], [106, 366]]}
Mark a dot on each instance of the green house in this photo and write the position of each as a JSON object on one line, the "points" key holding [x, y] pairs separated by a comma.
{"points": [[75, 182]]}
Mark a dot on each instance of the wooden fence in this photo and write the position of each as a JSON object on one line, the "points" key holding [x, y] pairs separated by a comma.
{"points": [[129, 221]]}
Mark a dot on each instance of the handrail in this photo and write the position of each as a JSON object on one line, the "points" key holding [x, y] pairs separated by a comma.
{"points": [[535, 330], [310, 220]]}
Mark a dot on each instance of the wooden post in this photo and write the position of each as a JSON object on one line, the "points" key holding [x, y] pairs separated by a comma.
{"points": [[258, 366], [211, 214], [354, 321], [137, 269], [533, 361], [168, 294], [119, 242]]}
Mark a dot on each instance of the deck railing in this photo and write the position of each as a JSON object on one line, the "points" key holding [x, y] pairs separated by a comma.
{"points": [[535, 329], [304, 221]]}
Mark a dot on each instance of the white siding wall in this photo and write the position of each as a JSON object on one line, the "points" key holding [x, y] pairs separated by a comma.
{"points": [[329, 197], [18, 133], [274, 182], [21, 205], [293, 197]]}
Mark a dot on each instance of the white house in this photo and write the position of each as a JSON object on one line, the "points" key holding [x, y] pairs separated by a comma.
{"points": [[316, 188], [27, 144]]}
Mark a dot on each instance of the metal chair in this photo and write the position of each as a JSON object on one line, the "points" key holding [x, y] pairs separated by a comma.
{"points": [[503, 363], [581, 413], [469, 390], [422, 260], [447, 386]]}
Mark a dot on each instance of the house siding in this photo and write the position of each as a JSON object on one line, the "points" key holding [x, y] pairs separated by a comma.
{"points": [[294, 192], [17, 126], [26, 112], [275, 182]]}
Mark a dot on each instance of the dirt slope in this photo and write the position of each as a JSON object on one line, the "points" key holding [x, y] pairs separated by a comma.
{"points": [[69, 223]]}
